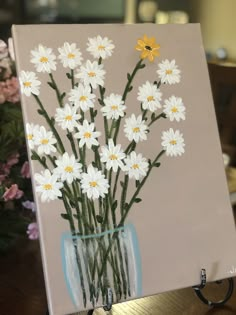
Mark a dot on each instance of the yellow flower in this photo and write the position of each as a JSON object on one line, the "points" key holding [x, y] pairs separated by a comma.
{"points": [[148, 47]]}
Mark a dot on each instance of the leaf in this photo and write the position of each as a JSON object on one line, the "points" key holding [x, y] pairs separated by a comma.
{"points": [[128, 76], [34, 156], [114, 206], [51, 85], [63, 95], [122, 184], [137, 200], [68, 75], [40, 111], [142, 66], [99, 218], [130, 88], [72, 203], [157, 164], [65, 216], [126, 206], [100, 101], [153, 116], [76, 216]]}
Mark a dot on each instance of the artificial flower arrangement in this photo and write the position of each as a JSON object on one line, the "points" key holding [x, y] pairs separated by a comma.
{"points": [[87, 176], [17, 208]]}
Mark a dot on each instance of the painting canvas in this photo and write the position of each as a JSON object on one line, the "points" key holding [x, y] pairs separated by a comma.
{"points": [[125, 159]]}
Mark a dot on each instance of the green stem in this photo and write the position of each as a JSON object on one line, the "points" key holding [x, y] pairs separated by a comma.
{"points": [[127, 89], [59, 98], [72, 78], [41, 160], [139, 188], [104, 118], [72, 143], [162, 115], [50, 123], [123, 195]]}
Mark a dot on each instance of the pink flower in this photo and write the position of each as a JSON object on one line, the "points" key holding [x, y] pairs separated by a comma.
{"points": [[3, 49], [13, 159], [33, 231], [29, 205], [25, 170], [13, 193], [9, 91]]}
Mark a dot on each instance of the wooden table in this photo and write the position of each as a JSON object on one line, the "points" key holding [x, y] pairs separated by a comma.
{"points": [[22, 291]]}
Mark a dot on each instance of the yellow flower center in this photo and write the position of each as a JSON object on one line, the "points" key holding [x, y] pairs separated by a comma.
{"points": [[68, 117], [71, 56], [101, 47], [93, 184], [113, 157], [27, 84], [173, 142], [150, 98], [135, 166], [43, 59], [91, 74], [136, 129], [174, 109], [83, 98], [30, 137], [69, 169], [114, 107], [44, 141], [47, 186], [87, 135], [169, 71]]}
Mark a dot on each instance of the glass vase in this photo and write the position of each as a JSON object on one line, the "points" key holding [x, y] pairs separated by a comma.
{"points": [[94, 263]]}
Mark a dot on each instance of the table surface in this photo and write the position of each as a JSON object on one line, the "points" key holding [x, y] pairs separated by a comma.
{"points": [[22, 291]]}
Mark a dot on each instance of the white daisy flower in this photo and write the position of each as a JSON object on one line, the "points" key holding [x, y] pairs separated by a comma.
{"points": [[173, 142], [87, 135], [94, 183], [136, 165], [48, 186], [112, 155], [168, 72], [135, 128], [100, 47], [82, 97], [43, 59], [174, 108], [70, 56], [91, 73], [67, 118], [29, 83], [45, 141], [68, 169], [114, 107], [150, 96], [30, 134]]}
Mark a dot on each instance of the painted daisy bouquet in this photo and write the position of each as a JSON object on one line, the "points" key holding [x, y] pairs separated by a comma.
{"points": [[87, 176], [16, 199]]}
